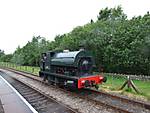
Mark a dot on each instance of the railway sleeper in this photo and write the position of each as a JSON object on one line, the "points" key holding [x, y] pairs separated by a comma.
{"points": [[35, 100]]}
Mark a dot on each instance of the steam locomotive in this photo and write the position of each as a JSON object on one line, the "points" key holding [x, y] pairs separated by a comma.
{"points": [[71, 69]]}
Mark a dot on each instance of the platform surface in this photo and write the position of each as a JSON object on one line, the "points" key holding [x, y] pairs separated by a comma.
{"points": [[10, 100]]}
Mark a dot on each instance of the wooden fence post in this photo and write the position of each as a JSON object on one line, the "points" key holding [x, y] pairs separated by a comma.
{"points": [[129, 84]]}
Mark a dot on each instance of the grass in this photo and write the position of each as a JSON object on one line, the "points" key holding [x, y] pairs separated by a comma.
{"points": [[112, 85]]}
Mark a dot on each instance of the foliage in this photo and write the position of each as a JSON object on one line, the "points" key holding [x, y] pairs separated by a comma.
{"points": [[30, 53], [118, 44], [1, 54], [4, 57]]}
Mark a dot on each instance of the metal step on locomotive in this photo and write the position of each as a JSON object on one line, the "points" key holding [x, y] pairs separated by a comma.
{"points": [[73, 69]]}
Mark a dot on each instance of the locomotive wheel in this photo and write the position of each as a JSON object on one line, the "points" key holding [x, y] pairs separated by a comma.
{"points": [[45, 77], [50, 81]]}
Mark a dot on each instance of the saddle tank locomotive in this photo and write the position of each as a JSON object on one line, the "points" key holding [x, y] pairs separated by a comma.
{"points": [[70, 69]]}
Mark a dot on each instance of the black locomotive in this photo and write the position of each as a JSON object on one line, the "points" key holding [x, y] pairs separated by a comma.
{"points": [[72, 69]]}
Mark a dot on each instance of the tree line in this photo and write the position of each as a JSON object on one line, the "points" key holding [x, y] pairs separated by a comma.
{"points": [[119, 44]]}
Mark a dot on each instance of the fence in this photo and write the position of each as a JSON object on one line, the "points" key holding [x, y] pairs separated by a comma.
{"points": [[133, 77], [30, 69]]}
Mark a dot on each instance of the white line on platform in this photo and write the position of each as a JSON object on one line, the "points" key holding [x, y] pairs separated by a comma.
{"points": [[21, 97]]}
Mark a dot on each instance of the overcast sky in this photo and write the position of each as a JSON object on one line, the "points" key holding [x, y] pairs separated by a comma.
{"points": [[20, 20]]}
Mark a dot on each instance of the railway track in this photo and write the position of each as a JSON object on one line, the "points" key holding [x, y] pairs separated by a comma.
{"points": [[41, 102], [116, 102], [120, 104]]}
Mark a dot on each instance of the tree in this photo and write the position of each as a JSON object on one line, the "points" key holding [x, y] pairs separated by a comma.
{"points": [[1, 54], [118, 44]]}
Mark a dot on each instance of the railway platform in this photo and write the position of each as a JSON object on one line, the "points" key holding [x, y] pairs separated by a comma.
{"points": [[11, 101]]}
